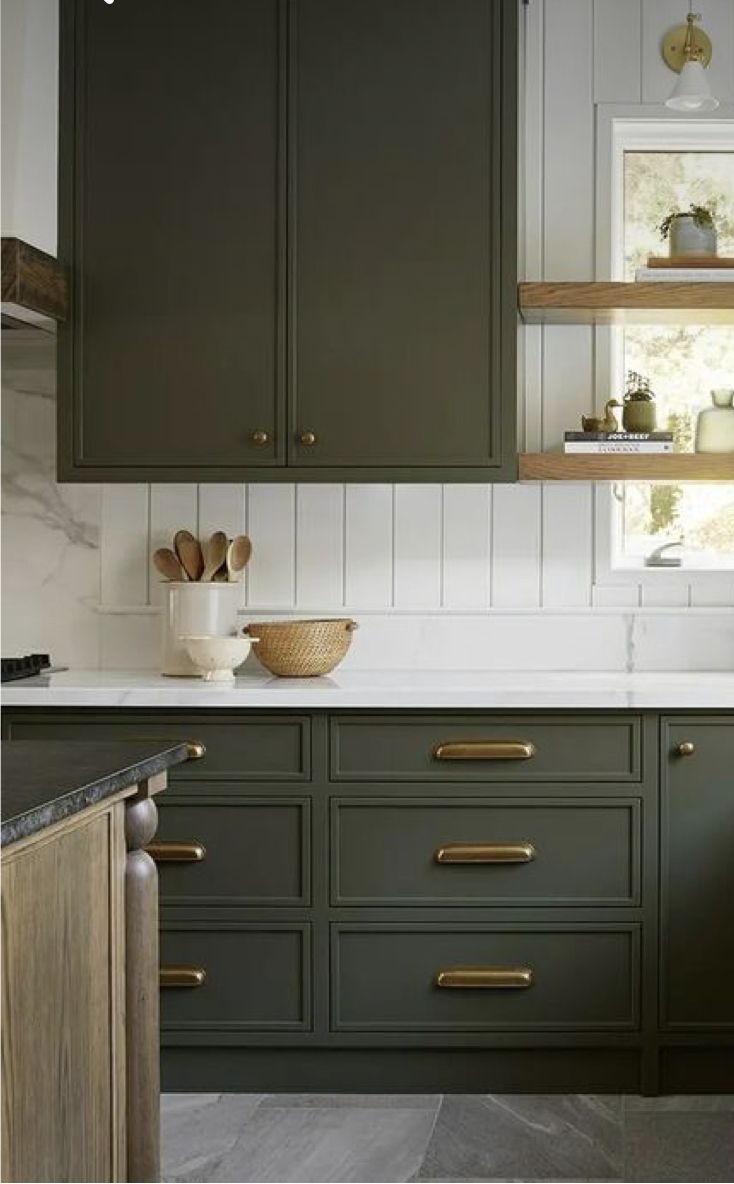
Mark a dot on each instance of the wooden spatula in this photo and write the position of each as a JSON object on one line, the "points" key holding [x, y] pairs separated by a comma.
{"points": [[238, 554], [216, 554], [188, 550], [167, 564]]}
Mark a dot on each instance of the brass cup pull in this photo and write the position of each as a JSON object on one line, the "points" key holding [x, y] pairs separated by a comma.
{"points": [[491, 978], [485, 853], [260, 438], [182, 976], [687, 748], [195, 750], [484, 750], [308, 439], [173, 851]]}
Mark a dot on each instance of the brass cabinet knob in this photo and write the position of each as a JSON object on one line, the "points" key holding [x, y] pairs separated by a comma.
{"points": [[195, 750], [308, 439], [687, 748], [260, 437]]}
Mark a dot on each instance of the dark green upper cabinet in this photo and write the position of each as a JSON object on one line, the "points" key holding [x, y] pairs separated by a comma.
{"points": [[169, 202], [289, 222], [402, 243]]}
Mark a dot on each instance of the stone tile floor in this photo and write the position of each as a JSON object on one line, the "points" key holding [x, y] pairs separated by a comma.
{"points": [[427, 1137]]}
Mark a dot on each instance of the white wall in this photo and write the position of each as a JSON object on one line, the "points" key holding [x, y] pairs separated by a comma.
{"points": [[30, 36], [438, 553]]}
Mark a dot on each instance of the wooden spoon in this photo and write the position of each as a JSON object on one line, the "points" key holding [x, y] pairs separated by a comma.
{"points": [[216, 554], [188, 550], [167, 564], [238, 554]]}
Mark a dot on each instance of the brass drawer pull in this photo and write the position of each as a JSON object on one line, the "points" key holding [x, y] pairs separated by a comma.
{"points": [[173, 851], [485, 853], [484, 750], [307, 439], [260, 438], [182, 976], [687, 748], [485, 977]]}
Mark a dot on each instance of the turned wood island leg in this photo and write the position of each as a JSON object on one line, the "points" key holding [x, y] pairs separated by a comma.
{"points": [[142, 991]]}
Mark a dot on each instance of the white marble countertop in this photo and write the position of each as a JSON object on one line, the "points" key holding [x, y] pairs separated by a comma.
{"points": [[396, 689]]}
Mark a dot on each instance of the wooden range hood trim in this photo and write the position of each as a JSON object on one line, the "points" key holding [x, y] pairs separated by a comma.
{"points": [[32, 280]]}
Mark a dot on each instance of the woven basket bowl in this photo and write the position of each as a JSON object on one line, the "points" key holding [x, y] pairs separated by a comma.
{"points": [[301, 649]]}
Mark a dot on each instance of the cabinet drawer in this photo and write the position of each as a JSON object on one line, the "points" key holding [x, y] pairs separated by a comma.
{"points": [[498, 851], [580, 977], [216, 851], [269, 748], [485, 748], [255, 976]]}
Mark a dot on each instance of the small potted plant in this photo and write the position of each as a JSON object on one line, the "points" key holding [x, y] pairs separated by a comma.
{"points": [[690, 232], [638, 412]]}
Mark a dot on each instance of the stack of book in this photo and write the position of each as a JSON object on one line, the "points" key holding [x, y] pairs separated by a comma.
{"points": [[638, 442], [707, 269]]}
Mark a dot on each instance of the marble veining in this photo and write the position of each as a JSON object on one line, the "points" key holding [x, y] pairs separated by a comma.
{"points": [[45, 781], [321, 1137]]}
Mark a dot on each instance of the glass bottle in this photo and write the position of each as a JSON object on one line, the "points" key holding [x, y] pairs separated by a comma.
{"points": [[715, 425]]}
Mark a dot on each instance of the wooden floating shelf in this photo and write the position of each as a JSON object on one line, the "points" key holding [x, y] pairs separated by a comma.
{"points": [[683, 466], [611, 303], [34, 287]]}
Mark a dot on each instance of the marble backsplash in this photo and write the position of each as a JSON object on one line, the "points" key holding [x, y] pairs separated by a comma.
{"points": [[53, 579]]}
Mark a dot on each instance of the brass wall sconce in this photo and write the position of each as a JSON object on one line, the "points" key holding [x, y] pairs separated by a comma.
{"points": [[687, 49]]}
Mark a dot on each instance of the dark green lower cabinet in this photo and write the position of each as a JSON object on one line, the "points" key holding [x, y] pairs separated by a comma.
{"points": [[697, 889], [441, 901]]}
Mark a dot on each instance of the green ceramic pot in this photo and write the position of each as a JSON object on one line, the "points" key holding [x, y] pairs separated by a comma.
{"points": [[638, 415]]}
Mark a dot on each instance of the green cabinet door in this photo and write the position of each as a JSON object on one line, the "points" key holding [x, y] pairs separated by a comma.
{"points": [[697, 891], [402, 181], [169, 214]]}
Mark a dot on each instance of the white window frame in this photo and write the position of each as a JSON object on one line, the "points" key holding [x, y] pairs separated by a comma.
{"points": [[620, 129]]}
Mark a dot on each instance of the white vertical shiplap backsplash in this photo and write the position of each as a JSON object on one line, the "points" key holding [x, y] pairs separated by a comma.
{"points": [[415, 552]]}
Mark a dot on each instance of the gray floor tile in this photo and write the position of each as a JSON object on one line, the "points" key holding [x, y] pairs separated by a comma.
{"points": [[358, 1101], [335, 1144], [198, 1129], [526, 1137], [679, 1145], [706, 1102]]}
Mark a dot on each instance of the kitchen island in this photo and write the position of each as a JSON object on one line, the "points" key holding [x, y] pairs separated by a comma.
{"points": [[80, 965]]}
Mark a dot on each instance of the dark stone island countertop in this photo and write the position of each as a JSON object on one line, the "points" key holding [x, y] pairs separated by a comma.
{"points": [[45, 781]]}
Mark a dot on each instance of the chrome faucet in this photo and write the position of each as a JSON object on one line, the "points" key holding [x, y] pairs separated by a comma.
{"points": [[657, 558]]}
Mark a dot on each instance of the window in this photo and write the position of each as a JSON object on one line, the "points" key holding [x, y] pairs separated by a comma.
{"points": [[653, 175]]}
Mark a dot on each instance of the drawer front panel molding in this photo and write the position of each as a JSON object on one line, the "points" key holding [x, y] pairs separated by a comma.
{"points": [[385, 851], [257, 851], [257, 976], [562, 748], [242, 748], [581, 977]]}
